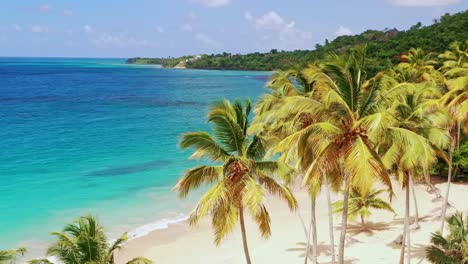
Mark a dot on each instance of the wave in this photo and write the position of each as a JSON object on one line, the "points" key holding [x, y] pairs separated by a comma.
{"points": [[158, 225]]}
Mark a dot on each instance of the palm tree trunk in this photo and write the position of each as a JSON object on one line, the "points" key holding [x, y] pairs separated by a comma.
{"points": [[307, 249], [407, 216], [362, 220], [312, 234], [416, 212], [330, 221], [403, 244], [244, 235], [444, 206], [344, 221], [306, 233], [431, 186], [314, 231]]}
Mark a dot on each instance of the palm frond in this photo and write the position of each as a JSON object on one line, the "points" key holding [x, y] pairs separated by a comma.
{"points": [[204, 146], [196, 177], [140, 260]]}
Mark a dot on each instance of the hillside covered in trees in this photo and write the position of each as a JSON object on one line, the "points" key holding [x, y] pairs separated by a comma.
{"points": [[384, 48]]}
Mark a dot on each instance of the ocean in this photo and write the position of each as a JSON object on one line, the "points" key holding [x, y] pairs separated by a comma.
{"points": [[97, 136]]}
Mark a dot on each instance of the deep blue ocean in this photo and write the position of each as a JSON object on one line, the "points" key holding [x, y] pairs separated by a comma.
{"points": [[97, 136]]}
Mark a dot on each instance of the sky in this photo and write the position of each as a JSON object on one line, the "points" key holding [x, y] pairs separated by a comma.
{"points": [[161, 28]]}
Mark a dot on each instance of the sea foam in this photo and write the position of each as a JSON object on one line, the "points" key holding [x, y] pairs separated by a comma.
{"points": [[157, 225]]}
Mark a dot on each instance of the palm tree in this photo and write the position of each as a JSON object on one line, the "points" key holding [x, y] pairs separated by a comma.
{"points": [[455, 60], [240, 176], [336, 127], [297, 85], [84, 241], [416, 134], [360, 204], [452, 249], [418, 65], [456, 104], [8, 256]]}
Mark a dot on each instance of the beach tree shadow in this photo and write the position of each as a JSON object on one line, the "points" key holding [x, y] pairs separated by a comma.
{"points": [[369, 228], [322, 249], [401, 221]]}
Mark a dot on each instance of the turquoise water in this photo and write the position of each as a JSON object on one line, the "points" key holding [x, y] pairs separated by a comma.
{"points": [[97, 136]]}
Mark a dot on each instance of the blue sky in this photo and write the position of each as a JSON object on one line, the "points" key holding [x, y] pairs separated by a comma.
{"points": [[159, 28]]}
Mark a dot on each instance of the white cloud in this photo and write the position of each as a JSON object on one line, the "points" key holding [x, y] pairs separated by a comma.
{"points": [[270, 20], [248, 16], [39, 29], [160, 29], [280, 32], [122, 40], [343, 31], [45, 8], [17, 28], [424, 3], [88, 29], [192, 15], [186, 27], [206, 40], [67, 12], [212, 3]]}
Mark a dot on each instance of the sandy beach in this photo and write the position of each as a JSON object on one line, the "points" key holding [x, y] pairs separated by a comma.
{"points": [[181, 243]]}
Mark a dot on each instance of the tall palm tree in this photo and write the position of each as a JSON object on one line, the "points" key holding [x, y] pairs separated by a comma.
{"points": [[452, 249], [455, 102], [455, 60], [84, 241], [240, 176], [296, 85], [8, 256], [418, 65], [416, 134], [336, 126], [360, 204]]}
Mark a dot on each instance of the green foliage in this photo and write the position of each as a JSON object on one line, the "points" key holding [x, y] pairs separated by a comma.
{"points": [[384, 48], [240, 176], [9, 256], [84, 241], [360, 204], [165, 62], [452, 249], [460, 155]]}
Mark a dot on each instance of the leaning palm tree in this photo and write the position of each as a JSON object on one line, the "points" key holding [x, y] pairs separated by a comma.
{"points": [[360, 204], [336, 127], [8, 256], [295, 85], [85, 241], [240, 176], [452, 249], [416, 133], [455, 102], [418, 65], [455, 60]]}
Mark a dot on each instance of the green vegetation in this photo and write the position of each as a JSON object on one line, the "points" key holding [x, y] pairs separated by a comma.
{"points": [[343, 126], [342, 118], [384, 48], [241, 176], [165, 62], [8, 256], [452, 249], [360, 204], [84, 241]]}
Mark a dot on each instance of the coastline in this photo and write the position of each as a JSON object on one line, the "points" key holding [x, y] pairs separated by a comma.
{"points": [[180, 243]]}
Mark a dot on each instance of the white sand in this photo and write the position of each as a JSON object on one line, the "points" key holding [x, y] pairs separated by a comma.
{"points": [[183, 244]]}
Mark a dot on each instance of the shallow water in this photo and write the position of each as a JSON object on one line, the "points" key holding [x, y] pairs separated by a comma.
{"points": [[97, 136]]}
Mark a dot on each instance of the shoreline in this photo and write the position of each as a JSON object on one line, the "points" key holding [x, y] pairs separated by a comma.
{"points": [[206, 69], [166, 243]]}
